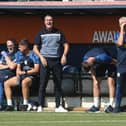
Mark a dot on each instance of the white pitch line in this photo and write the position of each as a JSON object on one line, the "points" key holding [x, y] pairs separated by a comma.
{"points": [[75, 121], [66, 114]]}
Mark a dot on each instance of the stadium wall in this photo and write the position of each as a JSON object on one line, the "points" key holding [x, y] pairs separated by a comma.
{"points": [[78, 29]]}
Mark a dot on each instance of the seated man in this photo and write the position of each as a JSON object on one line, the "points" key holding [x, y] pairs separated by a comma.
{"points": [[7, 66], [27, 70], [98, 61]]}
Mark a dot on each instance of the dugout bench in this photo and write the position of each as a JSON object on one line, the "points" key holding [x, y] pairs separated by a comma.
{"points": [[75, 83]]}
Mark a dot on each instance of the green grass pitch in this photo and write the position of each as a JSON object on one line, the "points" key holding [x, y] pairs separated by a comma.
{"points": [[61, 119]]}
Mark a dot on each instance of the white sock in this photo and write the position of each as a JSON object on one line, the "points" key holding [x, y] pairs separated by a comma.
{"points": [[111, 101], [9, 102], [25, 102], [96, 101]]}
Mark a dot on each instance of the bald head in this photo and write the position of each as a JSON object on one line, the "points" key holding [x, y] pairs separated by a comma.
{"points": [[122, 20]]}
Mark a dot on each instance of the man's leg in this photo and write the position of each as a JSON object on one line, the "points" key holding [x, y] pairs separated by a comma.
{"points": [[96, 95], [96, 90], [57, 73], [7, 87], [111, 86], [98, 73], [121, 78], [111, 74], [111, 68], [44, 76], [1, 94], [26, 83]]}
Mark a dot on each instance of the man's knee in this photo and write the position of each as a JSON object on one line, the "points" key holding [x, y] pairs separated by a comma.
{"points": [[26, 84], [6, 84]]}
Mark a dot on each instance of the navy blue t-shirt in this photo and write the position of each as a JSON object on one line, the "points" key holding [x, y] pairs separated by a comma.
{"points": [[27, 60], [100, 55]]}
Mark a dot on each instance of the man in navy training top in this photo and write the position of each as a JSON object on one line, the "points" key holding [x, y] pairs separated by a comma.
{"points": [[98, 62], [26, 72], [120, 40], [7, 66]]}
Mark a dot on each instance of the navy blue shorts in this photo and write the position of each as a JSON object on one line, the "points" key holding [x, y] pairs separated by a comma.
{"points": [[103, 70], [100, 70], [111, 70], [33, 77]]}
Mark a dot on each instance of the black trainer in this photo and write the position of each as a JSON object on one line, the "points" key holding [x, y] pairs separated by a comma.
{"points": [[23, 107], [109, 109], [9, 108], [93, 109], [116, 110]]}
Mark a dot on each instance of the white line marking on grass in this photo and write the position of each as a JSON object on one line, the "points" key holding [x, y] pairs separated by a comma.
{"points": [[76, 121], [72, 114]]}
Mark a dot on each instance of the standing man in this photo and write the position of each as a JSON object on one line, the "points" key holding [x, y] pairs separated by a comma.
{"points": [[120, 41], [50, 42], [98, 61]]}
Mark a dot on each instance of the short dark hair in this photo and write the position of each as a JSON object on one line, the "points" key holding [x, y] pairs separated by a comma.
{"points": [[25, 42], [86, 66]]}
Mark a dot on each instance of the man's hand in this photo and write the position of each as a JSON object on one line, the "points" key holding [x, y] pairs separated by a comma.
{"points": [[63, 59], [114, 61], [43, 61], [122, 26], [21, 73]]}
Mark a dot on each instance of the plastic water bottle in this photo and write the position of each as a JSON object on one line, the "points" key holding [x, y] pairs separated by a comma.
{"points": [[18, 80]]}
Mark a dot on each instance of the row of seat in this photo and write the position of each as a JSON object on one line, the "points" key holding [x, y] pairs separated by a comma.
{"points": [[75, 82]]}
